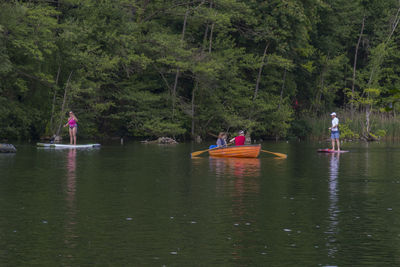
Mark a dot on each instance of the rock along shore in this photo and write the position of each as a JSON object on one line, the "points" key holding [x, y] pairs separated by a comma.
{"points": [[7, 148]]}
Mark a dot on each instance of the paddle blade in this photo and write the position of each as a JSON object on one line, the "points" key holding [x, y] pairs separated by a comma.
{"points": [[196, 153], [284, 156], [281, 155]]}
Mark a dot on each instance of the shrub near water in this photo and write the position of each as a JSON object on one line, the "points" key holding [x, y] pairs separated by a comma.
{"points": [[384, 126], [299, 129], [347, 133]]}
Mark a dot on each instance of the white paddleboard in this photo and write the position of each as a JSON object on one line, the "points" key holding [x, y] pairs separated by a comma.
{"points": [[67, 146], [327, 150]]}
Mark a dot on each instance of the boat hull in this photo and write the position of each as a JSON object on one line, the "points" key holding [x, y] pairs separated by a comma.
{"points": [[246, 151]]}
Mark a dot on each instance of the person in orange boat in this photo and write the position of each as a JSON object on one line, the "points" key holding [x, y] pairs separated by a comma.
{"points": [[221, 142], [239, 140]]}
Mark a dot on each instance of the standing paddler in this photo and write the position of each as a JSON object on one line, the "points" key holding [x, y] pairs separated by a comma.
{"points": [[335, 131], [73, 127]]}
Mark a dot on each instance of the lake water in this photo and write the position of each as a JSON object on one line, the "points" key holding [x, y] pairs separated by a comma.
{"points": [[152, 205]]}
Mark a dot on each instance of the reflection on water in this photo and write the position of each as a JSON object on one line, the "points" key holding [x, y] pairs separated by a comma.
{"points": [[238, 178], [333, 209], [238, 167], [133, 205], [70, 221], [6, 159], [243, 170], [71, 178]]}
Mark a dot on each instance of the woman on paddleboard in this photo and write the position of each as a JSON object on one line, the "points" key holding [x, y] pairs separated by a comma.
{"points": [[335, 131], [73, 127]]}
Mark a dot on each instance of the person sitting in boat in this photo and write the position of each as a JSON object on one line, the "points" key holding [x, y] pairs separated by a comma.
{"points": [[73, 127], [239, 140], [221, 142]]}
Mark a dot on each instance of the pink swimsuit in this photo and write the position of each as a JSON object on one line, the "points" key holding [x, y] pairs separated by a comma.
{"points": [[72, 123]]}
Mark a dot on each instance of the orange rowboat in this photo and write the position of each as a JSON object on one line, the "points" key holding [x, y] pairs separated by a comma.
{"points": [[249, 151]]}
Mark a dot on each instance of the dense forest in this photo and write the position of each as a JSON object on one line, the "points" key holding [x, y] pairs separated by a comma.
{"points": [[189, 68]]}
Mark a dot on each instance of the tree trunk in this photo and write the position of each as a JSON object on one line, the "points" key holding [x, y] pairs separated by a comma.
{"points": [[368, 108], [324, 70], [260, 71], [367, 120], [355, 67], [164, 79], [63, 105], [211, 35], [345, 84], [394, 26], [394, 110], [193, 106], [211, 31], [54, 101], [283, 87], [196, 87], [178, 70], [205, 36]]}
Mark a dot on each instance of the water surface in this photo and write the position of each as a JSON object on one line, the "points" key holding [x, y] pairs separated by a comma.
{"points": [[152, 205]]}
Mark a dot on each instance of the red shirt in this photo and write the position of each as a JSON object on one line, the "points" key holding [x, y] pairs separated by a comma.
{"points": [[239, 140]]}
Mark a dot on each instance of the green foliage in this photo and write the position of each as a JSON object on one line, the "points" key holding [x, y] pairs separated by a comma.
{"points": [[157, 127], [380, 133], [182, 69], [347, 133], [384, 126], [15, 120], [300, 128]]}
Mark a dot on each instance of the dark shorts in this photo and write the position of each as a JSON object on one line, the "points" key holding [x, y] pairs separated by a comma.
{"points": [[76, 126], [335, 135]]}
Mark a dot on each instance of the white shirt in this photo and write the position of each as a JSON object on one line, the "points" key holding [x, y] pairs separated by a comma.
{"points": [[335, 121]]}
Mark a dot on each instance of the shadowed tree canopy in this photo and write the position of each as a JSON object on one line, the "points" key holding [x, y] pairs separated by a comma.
{"points": [[185, 68]]}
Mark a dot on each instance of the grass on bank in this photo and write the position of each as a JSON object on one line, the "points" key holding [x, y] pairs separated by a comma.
{"points": [[384, 126]]}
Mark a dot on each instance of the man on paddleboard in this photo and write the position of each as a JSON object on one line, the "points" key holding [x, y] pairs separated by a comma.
{"points": [[335, 131]]}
